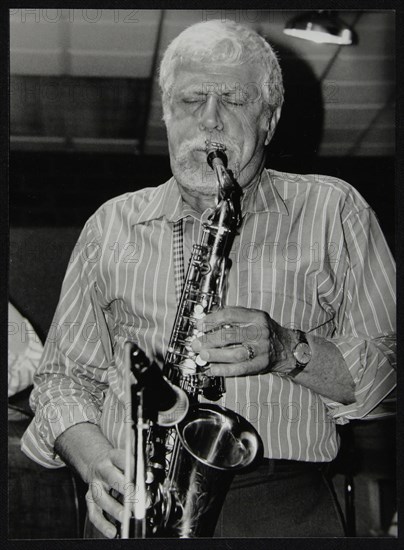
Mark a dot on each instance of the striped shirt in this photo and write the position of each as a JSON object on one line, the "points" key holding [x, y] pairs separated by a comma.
{"points": [[22, 360], [309, 252]]}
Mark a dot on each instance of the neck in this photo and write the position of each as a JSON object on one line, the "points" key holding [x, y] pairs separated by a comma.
{"points": [[201, 202], [197, 201]]}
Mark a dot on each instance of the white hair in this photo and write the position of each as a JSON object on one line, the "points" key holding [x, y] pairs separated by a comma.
{"points": [[228, 43]]}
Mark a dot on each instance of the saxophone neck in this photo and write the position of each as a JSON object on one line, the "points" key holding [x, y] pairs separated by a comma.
{"points": [[229, 191]]}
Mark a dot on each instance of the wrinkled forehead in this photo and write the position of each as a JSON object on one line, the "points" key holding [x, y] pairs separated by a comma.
{"points": [[191, 74]]}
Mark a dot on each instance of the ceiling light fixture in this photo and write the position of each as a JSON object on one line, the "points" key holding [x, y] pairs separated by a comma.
{"points": [[322, 27]]}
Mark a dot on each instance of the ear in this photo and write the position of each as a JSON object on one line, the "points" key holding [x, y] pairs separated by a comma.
{"points": [[272, 124]]}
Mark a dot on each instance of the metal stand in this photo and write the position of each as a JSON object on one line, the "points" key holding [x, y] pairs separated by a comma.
{"points": [[139, 425], [135, 482]]}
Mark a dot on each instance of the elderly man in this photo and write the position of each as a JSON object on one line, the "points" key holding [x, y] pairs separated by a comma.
{"points": [[311, 274]]}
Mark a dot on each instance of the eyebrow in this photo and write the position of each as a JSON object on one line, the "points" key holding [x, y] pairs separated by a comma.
{"points": [[198, 91]]}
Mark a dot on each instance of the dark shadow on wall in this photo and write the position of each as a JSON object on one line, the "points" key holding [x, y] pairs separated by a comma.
{"points": [[299, 133]]}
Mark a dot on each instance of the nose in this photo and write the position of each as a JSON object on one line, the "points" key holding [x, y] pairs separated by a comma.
{"points": [[210, 118]]}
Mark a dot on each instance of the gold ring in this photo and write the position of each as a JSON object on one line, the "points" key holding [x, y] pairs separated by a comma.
{"points": [[251, 352]]}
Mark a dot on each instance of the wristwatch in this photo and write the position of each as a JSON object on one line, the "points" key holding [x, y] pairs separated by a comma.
{"points": [[301, 352]]}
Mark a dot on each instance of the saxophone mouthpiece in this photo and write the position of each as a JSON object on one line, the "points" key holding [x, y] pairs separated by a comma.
{"points": [[215, 152], [214, 145]]}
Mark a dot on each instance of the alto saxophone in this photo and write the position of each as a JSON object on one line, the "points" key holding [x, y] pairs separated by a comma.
{"points": [[190, 467]]}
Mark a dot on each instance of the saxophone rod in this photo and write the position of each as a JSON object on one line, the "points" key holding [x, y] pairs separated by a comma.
{"points": [[140, 483]]}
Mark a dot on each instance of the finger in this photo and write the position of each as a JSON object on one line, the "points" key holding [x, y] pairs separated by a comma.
{"points": [[223, 316], [222, 337], [232, 333], [245, 333], [112, 477], [97, 518], [231, 354], [106, 501], [112, 469], [246, 368]]}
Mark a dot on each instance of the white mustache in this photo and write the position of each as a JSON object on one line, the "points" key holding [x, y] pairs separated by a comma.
{"points": [[197, 145]]}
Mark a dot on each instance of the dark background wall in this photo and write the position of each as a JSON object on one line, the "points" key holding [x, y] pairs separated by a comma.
{"points": [[64, 189]]}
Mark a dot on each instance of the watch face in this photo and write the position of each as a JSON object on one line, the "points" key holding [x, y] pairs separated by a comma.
{"points": [[302, 353]]}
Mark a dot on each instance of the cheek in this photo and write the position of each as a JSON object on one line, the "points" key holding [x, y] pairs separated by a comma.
{"points": [[173, 133], [253, 131], [178, 125]]}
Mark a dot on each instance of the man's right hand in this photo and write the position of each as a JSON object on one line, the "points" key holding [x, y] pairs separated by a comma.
{"points": [[86, 450]]}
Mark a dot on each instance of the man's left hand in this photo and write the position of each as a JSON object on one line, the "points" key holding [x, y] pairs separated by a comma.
{"points": [[238, 341]]}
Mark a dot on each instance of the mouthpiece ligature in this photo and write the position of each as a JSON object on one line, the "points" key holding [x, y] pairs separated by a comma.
{"points": [[215, 150]]}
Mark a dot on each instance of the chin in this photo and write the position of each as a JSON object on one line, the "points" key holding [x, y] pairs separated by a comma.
{"points": [[204, 183]]}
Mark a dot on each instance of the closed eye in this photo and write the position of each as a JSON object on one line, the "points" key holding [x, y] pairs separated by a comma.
{"points": [[193, 99], [233, 100]]}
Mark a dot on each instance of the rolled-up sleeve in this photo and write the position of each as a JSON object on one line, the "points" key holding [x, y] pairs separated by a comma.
{"points": [[365, 324], [71, 379]]}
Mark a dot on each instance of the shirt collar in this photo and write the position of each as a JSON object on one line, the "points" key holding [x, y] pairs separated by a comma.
{"points": [[167, 201], [265, 197]]}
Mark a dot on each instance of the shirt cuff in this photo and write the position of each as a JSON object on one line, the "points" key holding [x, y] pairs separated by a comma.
{"points": [[49, 423], [371, 365]]}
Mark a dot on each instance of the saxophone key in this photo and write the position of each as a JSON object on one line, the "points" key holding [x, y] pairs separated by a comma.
{"points": [[200, 362], [199, 311], [188, 345], [188, 366], [189, 354]]}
